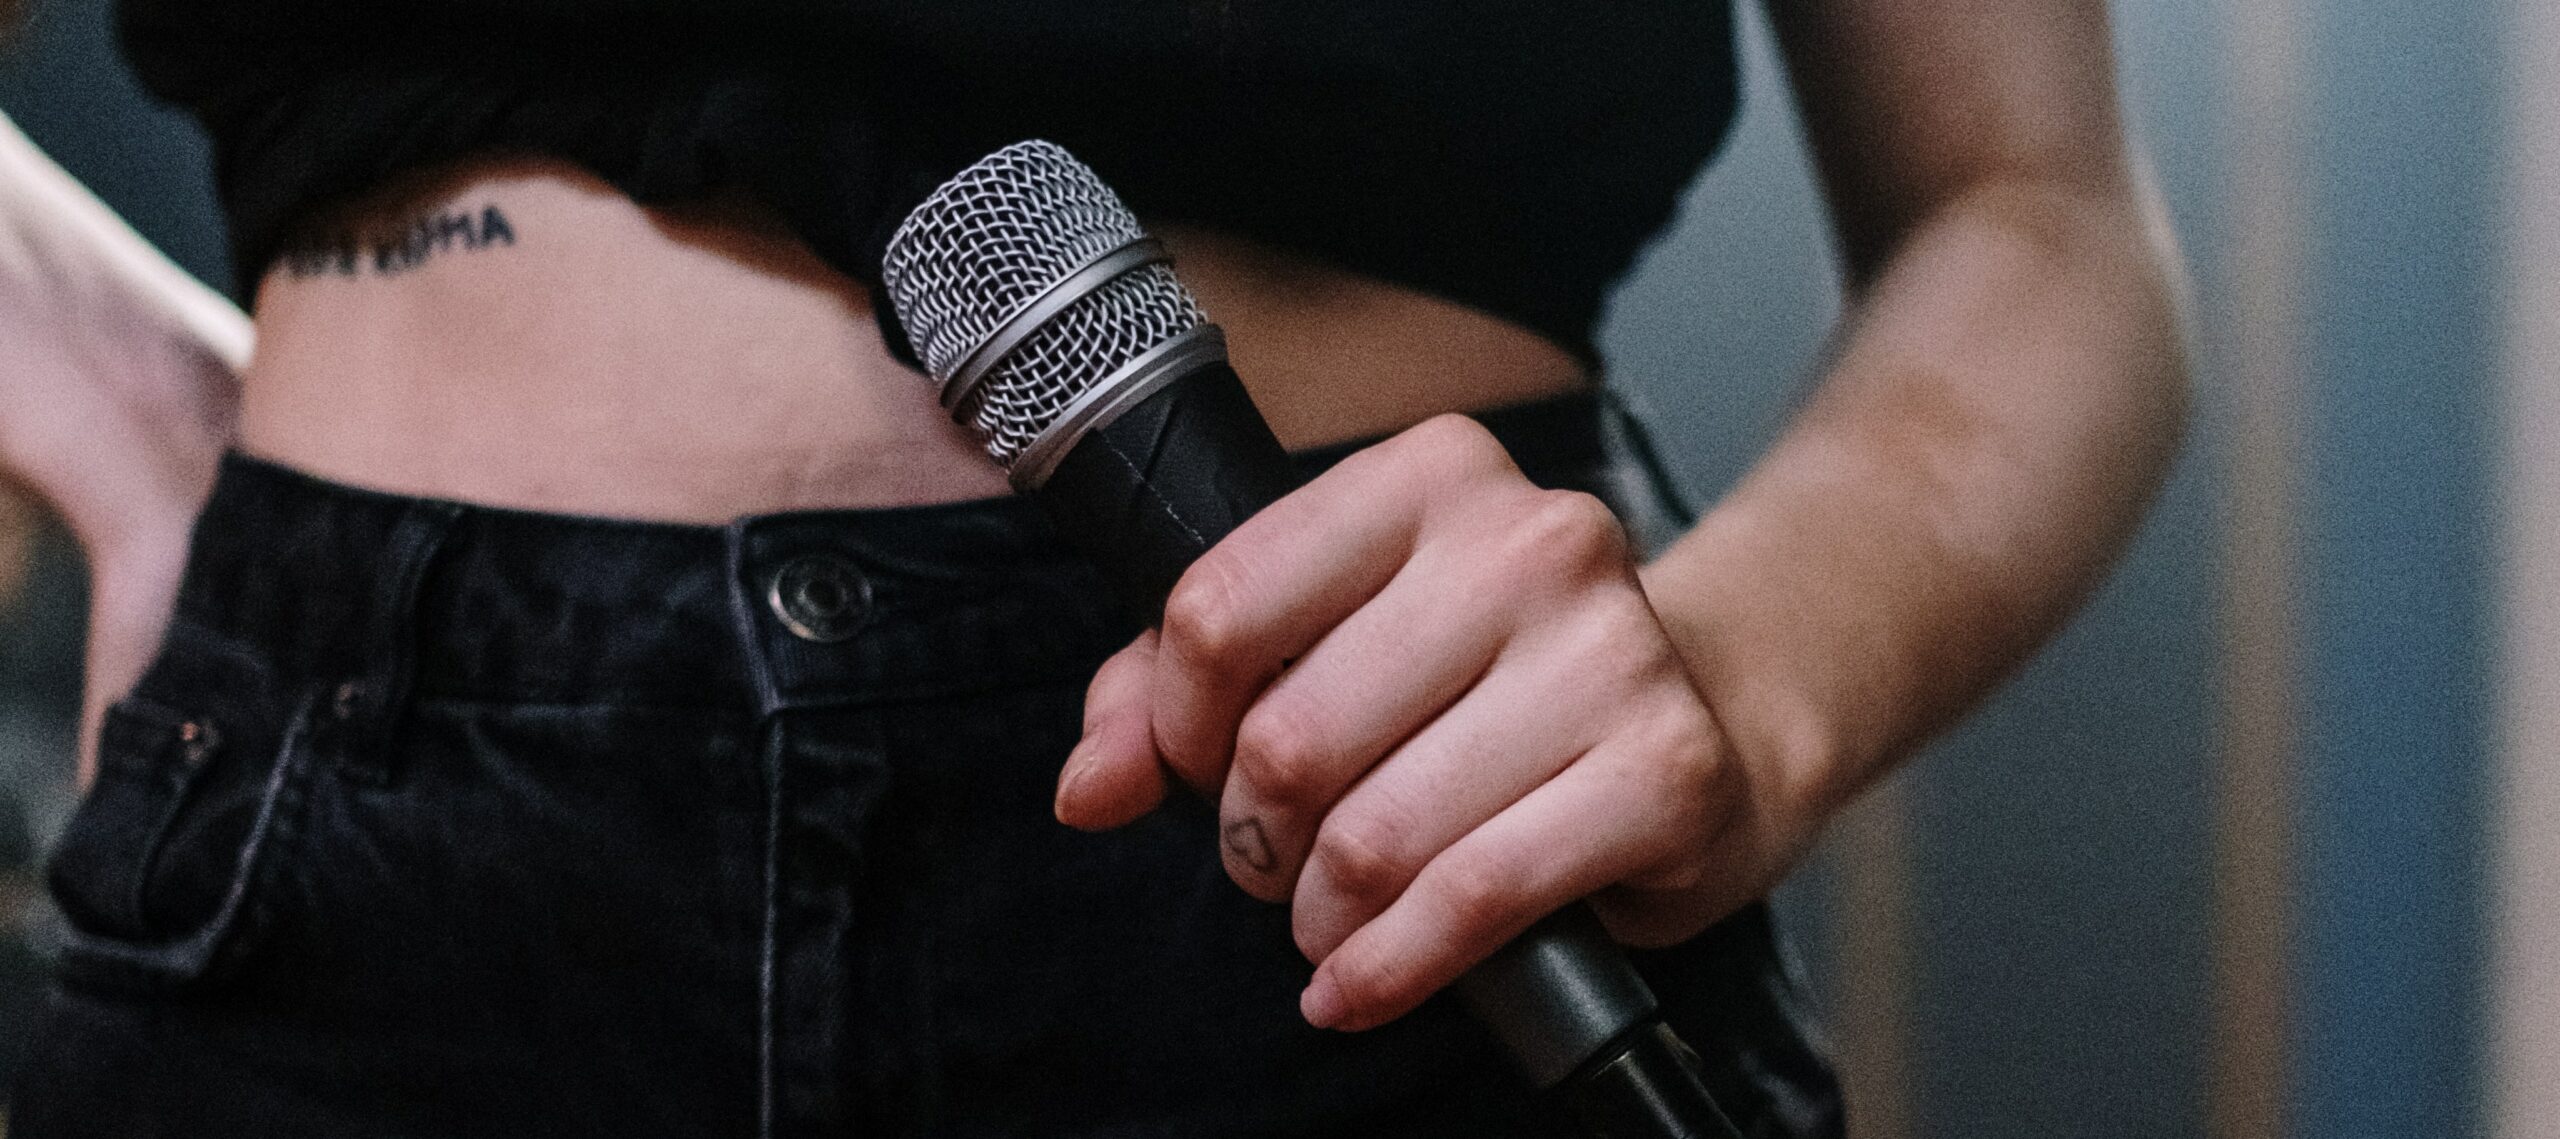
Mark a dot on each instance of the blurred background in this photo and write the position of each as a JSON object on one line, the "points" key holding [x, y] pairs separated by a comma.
{"points": [[2265, 843]]}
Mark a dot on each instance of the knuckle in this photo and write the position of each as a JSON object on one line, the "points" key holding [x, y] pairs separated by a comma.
{"points": [[1607, 645], [1365, 983], [1203, 621], [1118, 675], [1679, 876], [1098, 692], [1698, 743], [1457, 444], [1689, 775], [1480, 891], [1695, 871], [1316, 940], [1362, 860], [1575, 528], [1113, 673], [1279, 750]]}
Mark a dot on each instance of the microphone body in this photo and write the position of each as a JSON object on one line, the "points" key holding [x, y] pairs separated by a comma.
{"points": [[1151, 460], [1145, 494]]}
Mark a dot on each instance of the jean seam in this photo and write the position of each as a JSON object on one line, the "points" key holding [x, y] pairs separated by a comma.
{"points": [[767, 983], [283, 801], [392, 668]]}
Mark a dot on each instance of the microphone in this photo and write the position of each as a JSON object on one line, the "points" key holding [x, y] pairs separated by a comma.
{"points": [[1053, 324]]}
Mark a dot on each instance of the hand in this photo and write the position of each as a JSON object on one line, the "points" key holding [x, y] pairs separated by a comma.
{"points": [[118, 396], [1433, 705]]}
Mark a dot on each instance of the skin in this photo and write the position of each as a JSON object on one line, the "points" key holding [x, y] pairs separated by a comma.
{"points": [[1432, 702], [1435, 703], [119, 394]]}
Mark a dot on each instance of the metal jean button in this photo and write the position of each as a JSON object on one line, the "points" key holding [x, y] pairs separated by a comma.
{"points": [[820, 598]]}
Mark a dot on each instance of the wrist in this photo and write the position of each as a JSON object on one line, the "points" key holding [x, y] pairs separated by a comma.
{"points": [[1807, 754], [125, 446]]}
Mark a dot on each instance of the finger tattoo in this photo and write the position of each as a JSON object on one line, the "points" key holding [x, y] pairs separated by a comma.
{"points": [[1248, 842]]}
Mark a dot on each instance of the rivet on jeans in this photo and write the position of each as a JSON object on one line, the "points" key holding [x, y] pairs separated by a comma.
{"points": [[197, 740], [820, 598]]}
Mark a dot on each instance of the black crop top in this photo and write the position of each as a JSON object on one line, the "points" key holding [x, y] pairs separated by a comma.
{"points": [[1510, 156]]}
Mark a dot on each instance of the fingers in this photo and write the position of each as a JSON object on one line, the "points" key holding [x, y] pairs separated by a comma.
{"points": [[1670, 901], [1368, 686], [1519, 728], [1436, 706], [1114, 775], [1536, 579], [1618, 811], [1264, 595]]}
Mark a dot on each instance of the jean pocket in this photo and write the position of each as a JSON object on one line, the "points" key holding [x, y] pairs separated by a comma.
{"points": [[168, 869]]}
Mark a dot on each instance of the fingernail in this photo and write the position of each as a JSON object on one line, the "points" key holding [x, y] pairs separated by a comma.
{"points": [[1079, 765], [1321, 1004]]}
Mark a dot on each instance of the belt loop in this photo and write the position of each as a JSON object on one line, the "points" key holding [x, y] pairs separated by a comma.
{"points": [[743, 602], [368, 708]]}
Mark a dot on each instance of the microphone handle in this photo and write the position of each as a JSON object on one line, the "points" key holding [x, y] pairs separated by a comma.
{"points": [[1150, 490]]}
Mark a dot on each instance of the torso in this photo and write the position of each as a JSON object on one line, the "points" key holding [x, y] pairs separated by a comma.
{"points": [[541, 342]]}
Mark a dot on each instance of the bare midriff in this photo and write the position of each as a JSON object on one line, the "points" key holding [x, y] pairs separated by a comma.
{"points": [[518, 333]]}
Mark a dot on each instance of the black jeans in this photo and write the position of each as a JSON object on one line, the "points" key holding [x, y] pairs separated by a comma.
{"points": [[438, 820]]}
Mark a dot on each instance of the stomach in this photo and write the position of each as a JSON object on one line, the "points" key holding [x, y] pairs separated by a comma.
{"points": [[515, 332]]}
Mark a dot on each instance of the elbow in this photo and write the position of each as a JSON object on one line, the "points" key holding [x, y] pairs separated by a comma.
{"points": [[2086, 285], [2110, 242], [2160, 336]]}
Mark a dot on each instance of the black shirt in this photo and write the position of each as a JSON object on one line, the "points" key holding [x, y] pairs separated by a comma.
{"points": [[1514, 157]]}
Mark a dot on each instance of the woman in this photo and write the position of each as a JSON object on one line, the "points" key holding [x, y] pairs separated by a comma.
{"points": [[608, 696]]}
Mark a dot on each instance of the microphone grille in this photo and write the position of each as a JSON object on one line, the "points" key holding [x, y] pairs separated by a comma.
{"points": [[985, 246]]}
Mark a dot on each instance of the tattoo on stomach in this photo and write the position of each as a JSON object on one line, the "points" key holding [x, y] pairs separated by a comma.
{"points": [[400, 250]]}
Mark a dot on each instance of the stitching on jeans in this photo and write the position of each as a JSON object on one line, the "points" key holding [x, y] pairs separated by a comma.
{"points": [[767, 983], [416, 539]]}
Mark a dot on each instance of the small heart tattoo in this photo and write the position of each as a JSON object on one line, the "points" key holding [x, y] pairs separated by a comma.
{"points": [[1250, 844]]}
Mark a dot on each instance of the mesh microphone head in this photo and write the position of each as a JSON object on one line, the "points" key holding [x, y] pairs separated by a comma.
{"points": [[987, 246]]}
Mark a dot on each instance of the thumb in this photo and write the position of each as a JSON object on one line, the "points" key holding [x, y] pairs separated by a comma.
{"points": [[1114, 774]]}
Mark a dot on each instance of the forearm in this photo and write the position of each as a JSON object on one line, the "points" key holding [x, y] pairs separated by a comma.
{"points": [[2007, 396], [117, 396], [56, 235], [121, 387]]}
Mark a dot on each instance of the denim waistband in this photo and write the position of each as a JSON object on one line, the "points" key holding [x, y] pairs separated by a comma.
{"points": [[403, 596]]}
